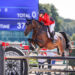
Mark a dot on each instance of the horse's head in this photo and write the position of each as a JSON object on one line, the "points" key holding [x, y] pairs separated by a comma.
{"points": [[30, 25]]}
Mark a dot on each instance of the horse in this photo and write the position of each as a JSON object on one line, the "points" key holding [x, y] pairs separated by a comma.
{"points": [[40, 37]]}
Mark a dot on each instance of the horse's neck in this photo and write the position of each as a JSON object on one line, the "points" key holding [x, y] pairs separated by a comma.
{"points": [[35, 31], [37, 27]]}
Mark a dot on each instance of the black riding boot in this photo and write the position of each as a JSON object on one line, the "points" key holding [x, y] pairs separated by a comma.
{"points": [[52, 36]]}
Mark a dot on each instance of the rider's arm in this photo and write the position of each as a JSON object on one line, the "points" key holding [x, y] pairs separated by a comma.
{"points": [[40, 19]]}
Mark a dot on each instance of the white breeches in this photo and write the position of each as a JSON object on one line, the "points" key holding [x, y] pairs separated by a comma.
{"points": [[51, 27]]}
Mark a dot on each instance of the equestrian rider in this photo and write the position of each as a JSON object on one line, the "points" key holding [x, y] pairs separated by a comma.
{"points": [[49, 22]]}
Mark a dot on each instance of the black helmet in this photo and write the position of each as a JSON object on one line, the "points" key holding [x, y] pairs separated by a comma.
{"points": [[42, 11]]}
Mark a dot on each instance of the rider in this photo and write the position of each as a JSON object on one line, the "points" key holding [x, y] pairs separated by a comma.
{"points": [[49, 22]]}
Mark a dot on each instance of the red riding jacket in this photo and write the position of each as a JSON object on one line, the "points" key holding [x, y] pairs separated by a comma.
{"points": [[46, 20]]}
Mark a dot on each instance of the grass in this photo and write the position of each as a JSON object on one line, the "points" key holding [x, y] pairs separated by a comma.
{"points": [[33, 61]]}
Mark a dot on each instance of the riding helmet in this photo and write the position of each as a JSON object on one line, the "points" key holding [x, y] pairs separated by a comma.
{"points": [[42, 11]]}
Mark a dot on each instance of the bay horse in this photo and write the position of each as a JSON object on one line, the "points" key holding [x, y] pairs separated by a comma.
{"points": [[40, 37]]}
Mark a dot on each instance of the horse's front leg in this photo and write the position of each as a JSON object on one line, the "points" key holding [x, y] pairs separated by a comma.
{"points": [[38, 49], [32, 44]]}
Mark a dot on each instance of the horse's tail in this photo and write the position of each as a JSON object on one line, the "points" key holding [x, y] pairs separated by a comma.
{"points": [[67, 40]]}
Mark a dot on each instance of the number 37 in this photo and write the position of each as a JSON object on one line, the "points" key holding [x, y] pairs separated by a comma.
{"points": [[20, 25]]}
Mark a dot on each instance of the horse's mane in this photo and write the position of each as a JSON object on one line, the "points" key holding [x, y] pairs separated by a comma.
{"points": [[42, 25]]}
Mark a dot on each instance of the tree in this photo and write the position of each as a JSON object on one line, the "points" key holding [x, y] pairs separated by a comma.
{"points": [[73, 37], [56, 17]]}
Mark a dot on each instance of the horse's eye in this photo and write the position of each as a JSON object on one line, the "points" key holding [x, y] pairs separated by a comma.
{"points": [[27, 23]]}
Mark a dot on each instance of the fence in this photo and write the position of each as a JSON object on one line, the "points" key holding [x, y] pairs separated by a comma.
{"points": [[42, 57], [1, 60]]}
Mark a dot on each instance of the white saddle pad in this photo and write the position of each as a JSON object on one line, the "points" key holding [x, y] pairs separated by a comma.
{"points": [[55, 36]]}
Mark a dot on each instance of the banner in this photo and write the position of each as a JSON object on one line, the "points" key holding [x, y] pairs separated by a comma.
{"points": [[14, 12]]}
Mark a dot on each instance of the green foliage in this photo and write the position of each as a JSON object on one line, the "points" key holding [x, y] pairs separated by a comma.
{"points": [[33, 61], [68, 26], [72, 62], [73, 37], [71, 73], [56, 17]]}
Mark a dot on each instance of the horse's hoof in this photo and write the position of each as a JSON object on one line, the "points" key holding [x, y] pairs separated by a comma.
{"points": [[63, 54], [58, 53], [29, 40]]}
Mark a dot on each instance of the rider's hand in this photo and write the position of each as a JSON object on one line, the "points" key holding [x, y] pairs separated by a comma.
{"points": [[41, 15]]}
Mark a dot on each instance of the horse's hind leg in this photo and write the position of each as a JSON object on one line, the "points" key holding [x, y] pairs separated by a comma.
{"points": [[61, 50], [63, 54], [73, 67], [58, 51]]}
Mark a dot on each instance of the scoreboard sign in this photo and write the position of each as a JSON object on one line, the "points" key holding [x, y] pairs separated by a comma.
{"points": [[13, 13]]}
